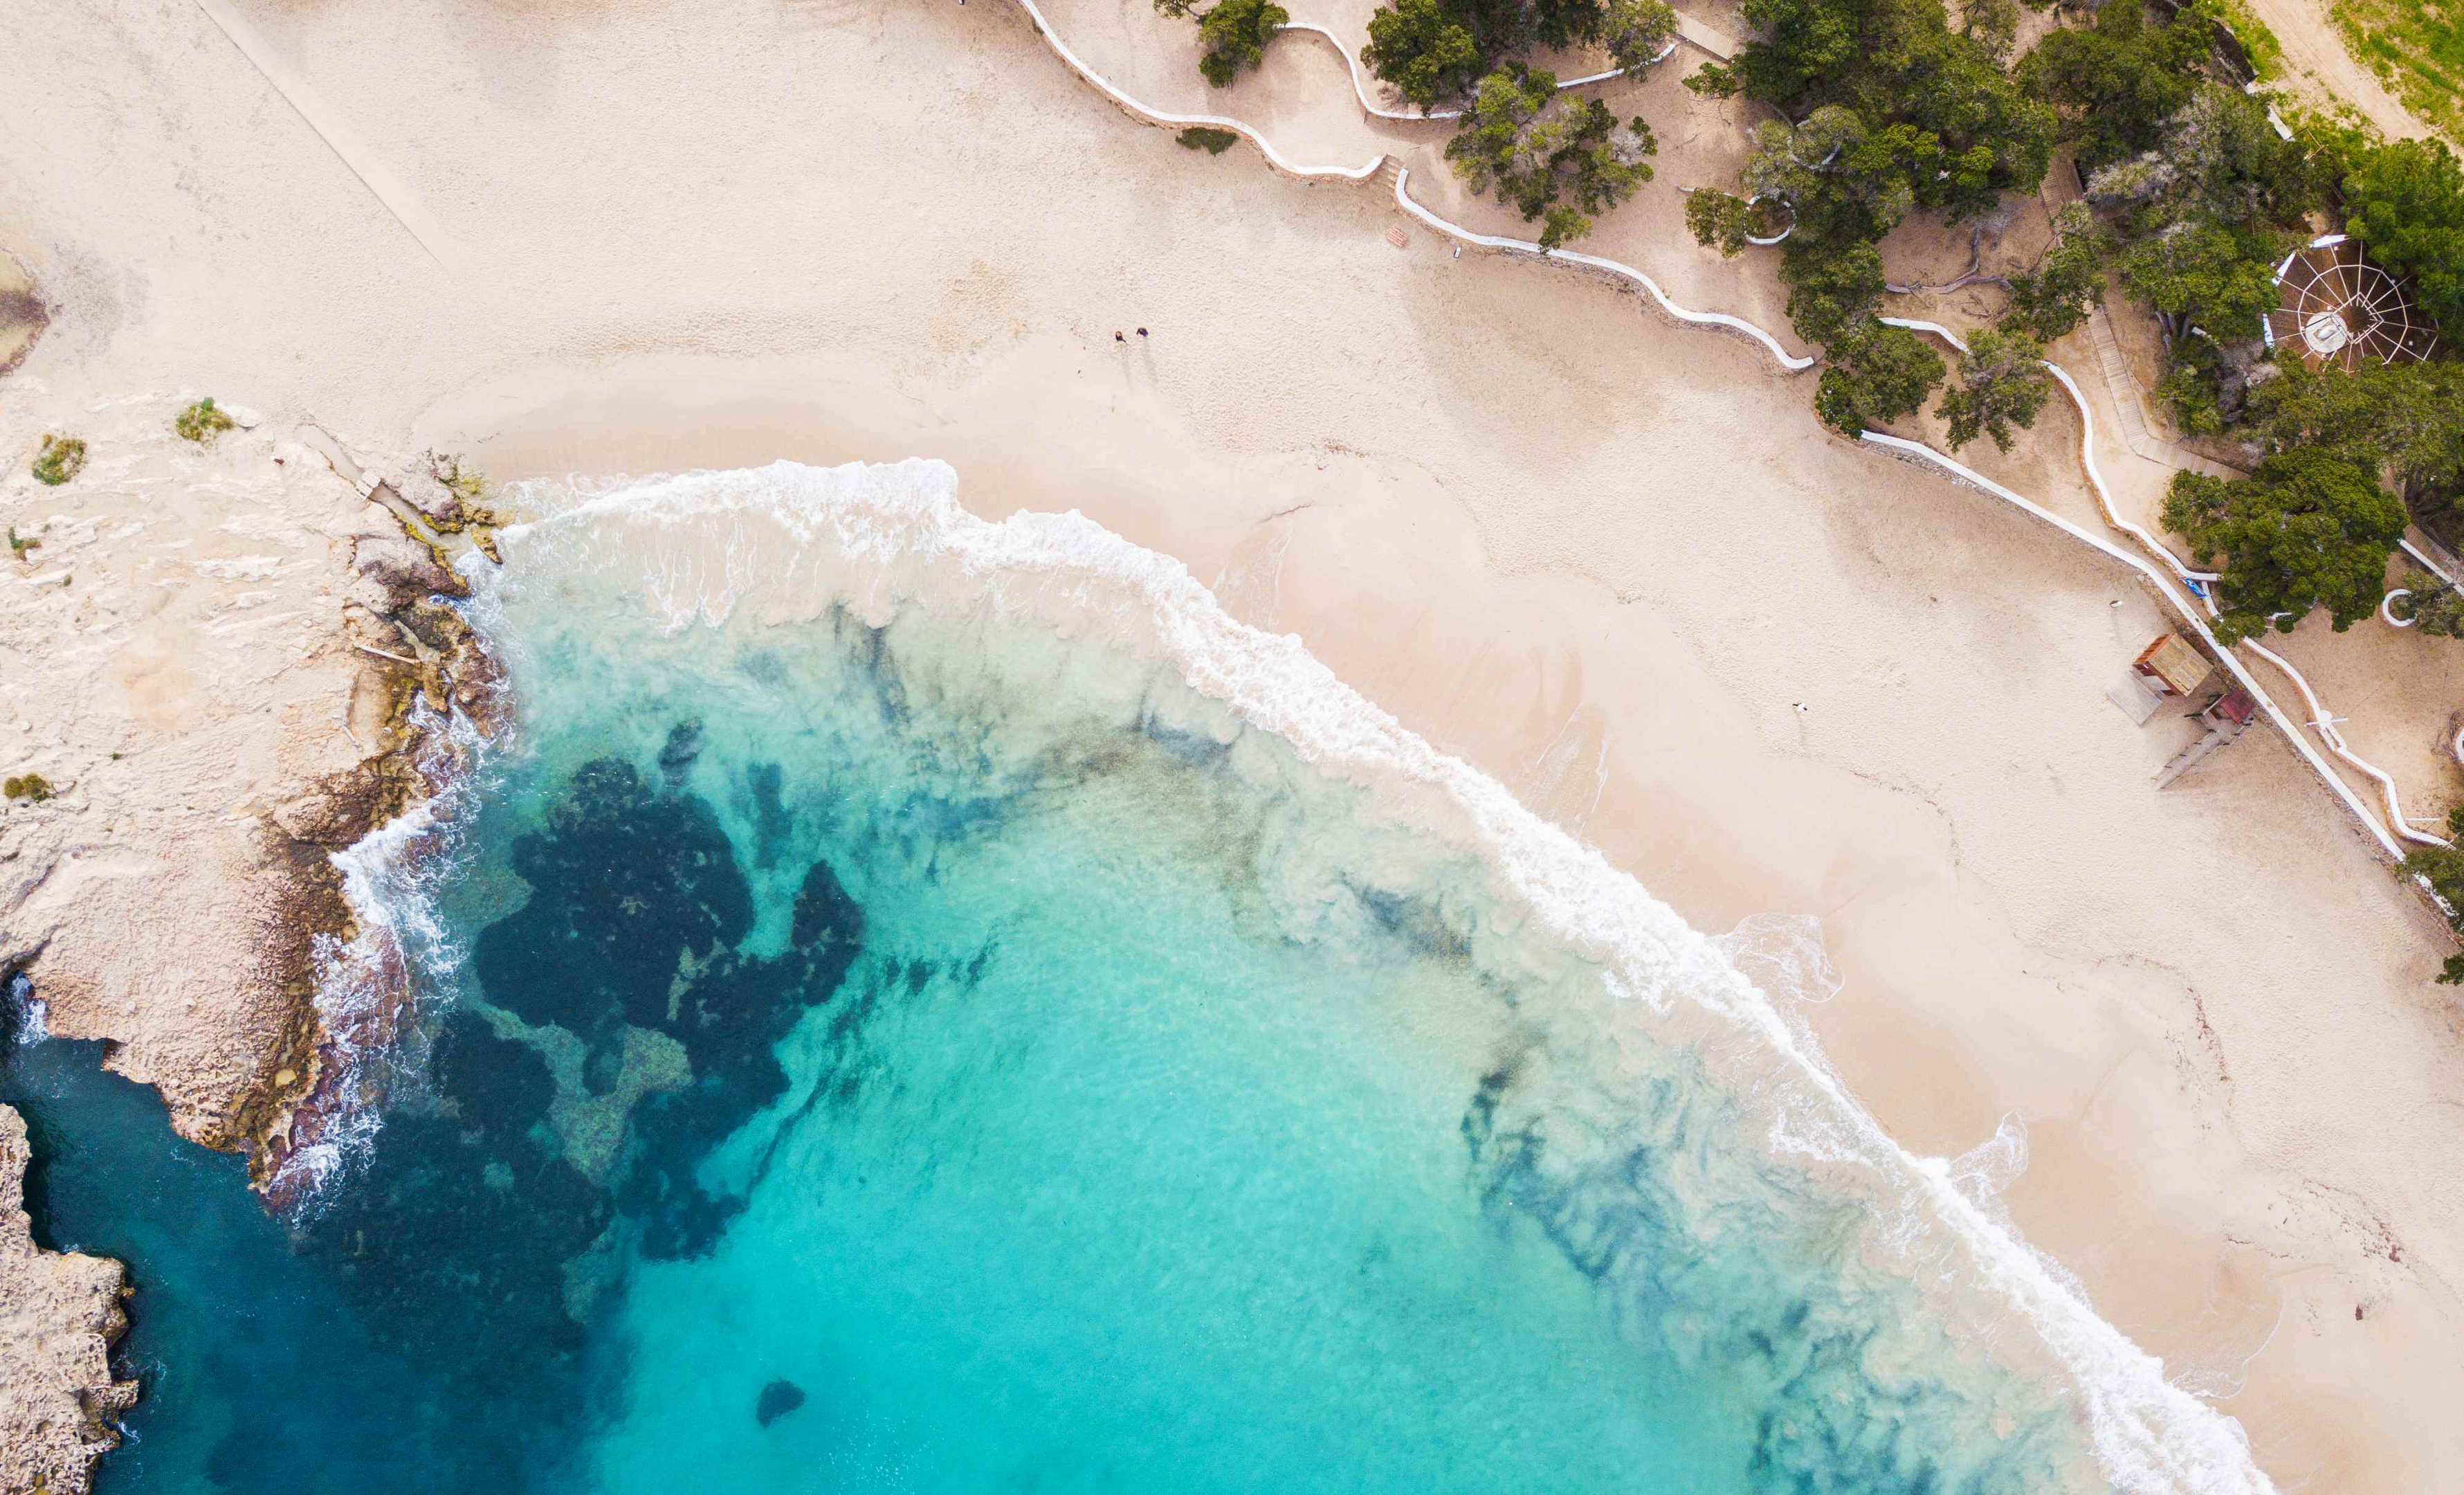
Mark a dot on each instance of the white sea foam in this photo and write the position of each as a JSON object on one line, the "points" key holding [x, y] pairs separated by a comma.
{"points": [[1944, 1219], [389, 880], [28, 1015]]}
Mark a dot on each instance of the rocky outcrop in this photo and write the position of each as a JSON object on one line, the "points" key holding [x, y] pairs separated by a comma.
{"points": [[59, 1314], [227, 648]]}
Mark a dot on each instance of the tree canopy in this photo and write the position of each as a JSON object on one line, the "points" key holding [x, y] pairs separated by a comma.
{"points": [[2053, 298], [2002, 386], [1424, 48], [2205, 275], [2311, 528], [1432, 50], [1938, 111], [1535, 146], [2405, 419], [1876, 374], [2120, 80], [1235, 34], [2404, 201]]}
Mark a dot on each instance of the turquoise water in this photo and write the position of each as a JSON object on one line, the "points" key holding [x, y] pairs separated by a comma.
{"points": [[884, 1029]]}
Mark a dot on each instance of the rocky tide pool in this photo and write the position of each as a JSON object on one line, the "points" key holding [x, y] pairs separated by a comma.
{"points": [[920, 1005]]}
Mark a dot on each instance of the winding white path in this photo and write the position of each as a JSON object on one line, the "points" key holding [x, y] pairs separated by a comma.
{"points": [[2174, 581]]}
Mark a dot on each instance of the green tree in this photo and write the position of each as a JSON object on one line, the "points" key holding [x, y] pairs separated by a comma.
{"points": [[2434, 607], [1831, 287], [2404, 201], [1235, 34], [2054, 298], [2409, 417], [1970, 132], [2002, 386], [2443, 868], [2309, 529], [1535, 145], [1724, 221], [2117, 81], [1875, 374], [2205, 275], [1422, 48], [1635, 32]]}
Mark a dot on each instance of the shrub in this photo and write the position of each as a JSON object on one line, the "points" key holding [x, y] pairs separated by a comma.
{"points": [[201, 422], [1212, 141], [27, 786], [58, 459], [2432, 606]]}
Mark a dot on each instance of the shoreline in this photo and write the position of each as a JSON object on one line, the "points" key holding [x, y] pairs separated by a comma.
{"points": [[893, 552], [2203, 1287], [1602, 563]]}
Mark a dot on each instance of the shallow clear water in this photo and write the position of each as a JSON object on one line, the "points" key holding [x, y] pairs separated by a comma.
{"points": [[886, 1030]]}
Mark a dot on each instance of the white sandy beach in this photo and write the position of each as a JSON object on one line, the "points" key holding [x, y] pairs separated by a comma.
{"points": [[1610, 560]]}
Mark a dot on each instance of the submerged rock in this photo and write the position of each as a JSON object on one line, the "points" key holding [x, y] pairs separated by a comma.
{"points": [[777, 1398], [683, 747]]}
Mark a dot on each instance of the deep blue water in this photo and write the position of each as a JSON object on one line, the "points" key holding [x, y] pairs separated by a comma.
{"points": [[905, 1048]]}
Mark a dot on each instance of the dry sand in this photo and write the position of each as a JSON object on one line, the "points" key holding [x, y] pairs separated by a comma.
{"points": [[1602, 557]]}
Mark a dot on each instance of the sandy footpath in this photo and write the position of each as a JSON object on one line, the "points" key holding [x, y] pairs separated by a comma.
{"points": [[1610, 560]]}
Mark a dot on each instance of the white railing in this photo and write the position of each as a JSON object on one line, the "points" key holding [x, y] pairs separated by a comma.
{"points": [[2171, 583], [2320, 719], [1684, 314], [1360, 82], [2165, 588], [1210, 121]]}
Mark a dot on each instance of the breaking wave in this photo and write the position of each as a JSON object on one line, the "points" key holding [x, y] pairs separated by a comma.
{"points": [[1898, 1303]]}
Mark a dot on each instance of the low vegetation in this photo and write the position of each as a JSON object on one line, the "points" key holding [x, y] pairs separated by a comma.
{"points": [[18, 546], [2417, 47], [58, 459], [466, 483], [201, 422]]}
